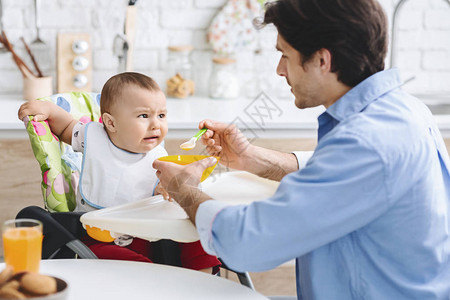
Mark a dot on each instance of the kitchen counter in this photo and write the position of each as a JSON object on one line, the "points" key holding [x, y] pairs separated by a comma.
{"points": [[258, 118], [261, 117]]}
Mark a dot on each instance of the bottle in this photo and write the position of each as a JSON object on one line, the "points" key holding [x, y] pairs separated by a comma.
{"points": [[223, 82], [180, 82], [259, 81]]}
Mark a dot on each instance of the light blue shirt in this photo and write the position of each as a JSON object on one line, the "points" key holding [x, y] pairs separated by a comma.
{"points": [[366, 218]]}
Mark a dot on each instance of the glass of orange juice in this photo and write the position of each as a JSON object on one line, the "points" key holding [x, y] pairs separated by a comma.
{"points": [[22, 244]]}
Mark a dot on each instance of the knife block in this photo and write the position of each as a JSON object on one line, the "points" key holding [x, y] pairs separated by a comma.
{"points": [[74, 70]]}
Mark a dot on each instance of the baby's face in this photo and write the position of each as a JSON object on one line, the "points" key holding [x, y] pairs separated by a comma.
{"points": [[140, 120]]}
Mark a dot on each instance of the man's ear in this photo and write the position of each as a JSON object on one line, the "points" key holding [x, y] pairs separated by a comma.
{"points": [[324, 57], [109, 122]]}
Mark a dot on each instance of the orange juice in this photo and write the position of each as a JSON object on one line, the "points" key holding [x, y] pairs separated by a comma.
{"points": [[23, 248]]}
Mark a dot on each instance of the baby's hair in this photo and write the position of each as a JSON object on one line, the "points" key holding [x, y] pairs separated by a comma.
{"points": [[112, 90]]}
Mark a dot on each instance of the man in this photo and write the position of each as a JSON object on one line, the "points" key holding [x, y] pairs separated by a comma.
{"points": [[366, 216]]}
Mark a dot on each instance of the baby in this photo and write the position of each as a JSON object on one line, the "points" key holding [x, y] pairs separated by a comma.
{"points": [[118, 156]]}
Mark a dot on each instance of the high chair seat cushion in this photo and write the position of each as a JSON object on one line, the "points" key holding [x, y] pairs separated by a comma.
{"points": [[59, 164]]}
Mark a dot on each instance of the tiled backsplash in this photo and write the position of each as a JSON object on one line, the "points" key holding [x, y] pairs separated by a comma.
{"points": [[423, 39]]}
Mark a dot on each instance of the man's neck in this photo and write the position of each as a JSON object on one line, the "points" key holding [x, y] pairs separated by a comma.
{"points": [[334, 91]]}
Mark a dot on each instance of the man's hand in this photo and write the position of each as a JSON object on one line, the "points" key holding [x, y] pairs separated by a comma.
{"points": [[181, 182], [236, 152], [159, 190], [227, 142]]}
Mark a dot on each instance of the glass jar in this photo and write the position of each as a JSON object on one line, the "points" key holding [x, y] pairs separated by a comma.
{"points": [[180, 83], [223, 82]]}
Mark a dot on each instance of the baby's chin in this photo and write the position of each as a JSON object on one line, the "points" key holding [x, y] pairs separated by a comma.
{"points": [[152, 144], [142, 149]]}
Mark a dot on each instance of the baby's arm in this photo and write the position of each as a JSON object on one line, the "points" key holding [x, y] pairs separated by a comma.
{"points": [[60, 121]]}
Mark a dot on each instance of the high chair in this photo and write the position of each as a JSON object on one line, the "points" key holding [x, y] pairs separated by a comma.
{"points": [[60, 167]]}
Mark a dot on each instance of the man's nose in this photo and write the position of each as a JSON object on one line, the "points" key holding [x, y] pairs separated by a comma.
{"points": [[281, 68]]}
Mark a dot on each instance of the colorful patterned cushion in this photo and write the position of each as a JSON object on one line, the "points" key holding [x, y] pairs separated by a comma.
{"points": [[59, 164]]}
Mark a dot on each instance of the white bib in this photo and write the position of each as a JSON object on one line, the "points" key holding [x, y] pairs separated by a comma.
{"points": [[111, 176]]}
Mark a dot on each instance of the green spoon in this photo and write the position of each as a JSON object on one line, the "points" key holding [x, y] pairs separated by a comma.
{"points": [[189, 145]]}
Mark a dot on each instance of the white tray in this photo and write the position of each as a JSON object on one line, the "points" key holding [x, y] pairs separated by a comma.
{"points": [[150, 219], [238, 187], [154, 218]]}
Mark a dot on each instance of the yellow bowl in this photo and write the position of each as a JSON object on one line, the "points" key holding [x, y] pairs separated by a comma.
{"points": [[187, 159]]}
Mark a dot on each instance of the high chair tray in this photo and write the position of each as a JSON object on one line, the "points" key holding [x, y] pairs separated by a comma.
{"points": [[151, 219], [155, 218], [238, 187]]}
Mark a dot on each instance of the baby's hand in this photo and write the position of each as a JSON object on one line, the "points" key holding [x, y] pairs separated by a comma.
{"points": [[159, 190], [41, 110]]}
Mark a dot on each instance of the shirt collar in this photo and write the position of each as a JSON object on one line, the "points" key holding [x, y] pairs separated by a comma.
{"points": [[364, 93]]}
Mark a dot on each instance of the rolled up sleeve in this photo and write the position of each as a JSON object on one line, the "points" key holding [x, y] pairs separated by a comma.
{"points": [[302, 158]]}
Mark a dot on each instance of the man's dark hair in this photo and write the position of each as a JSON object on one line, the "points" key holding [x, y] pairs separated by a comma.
{"points": [[354, 31]]}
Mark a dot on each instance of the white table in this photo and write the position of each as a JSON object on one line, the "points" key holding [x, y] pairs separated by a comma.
{"points": [[114, 279]]}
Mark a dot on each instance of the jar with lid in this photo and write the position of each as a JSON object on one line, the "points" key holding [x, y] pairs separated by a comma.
{"points": [[223, 82], [180, 83]]}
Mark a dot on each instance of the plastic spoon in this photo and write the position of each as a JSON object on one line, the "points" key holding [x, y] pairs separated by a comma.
{"points": [[189, 145]]}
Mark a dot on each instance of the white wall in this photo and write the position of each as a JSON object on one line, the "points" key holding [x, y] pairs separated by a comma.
{"points": [[423, 39]]}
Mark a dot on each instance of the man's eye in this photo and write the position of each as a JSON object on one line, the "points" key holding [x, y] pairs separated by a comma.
{"points": [[143, 116]]}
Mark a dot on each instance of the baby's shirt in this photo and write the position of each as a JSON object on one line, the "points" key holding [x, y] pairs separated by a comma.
{"points": [[109, 175]]}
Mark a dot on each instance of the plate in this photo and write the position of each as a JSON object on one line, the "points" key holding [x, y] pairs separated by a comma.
{"points": [[61, 293]]}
